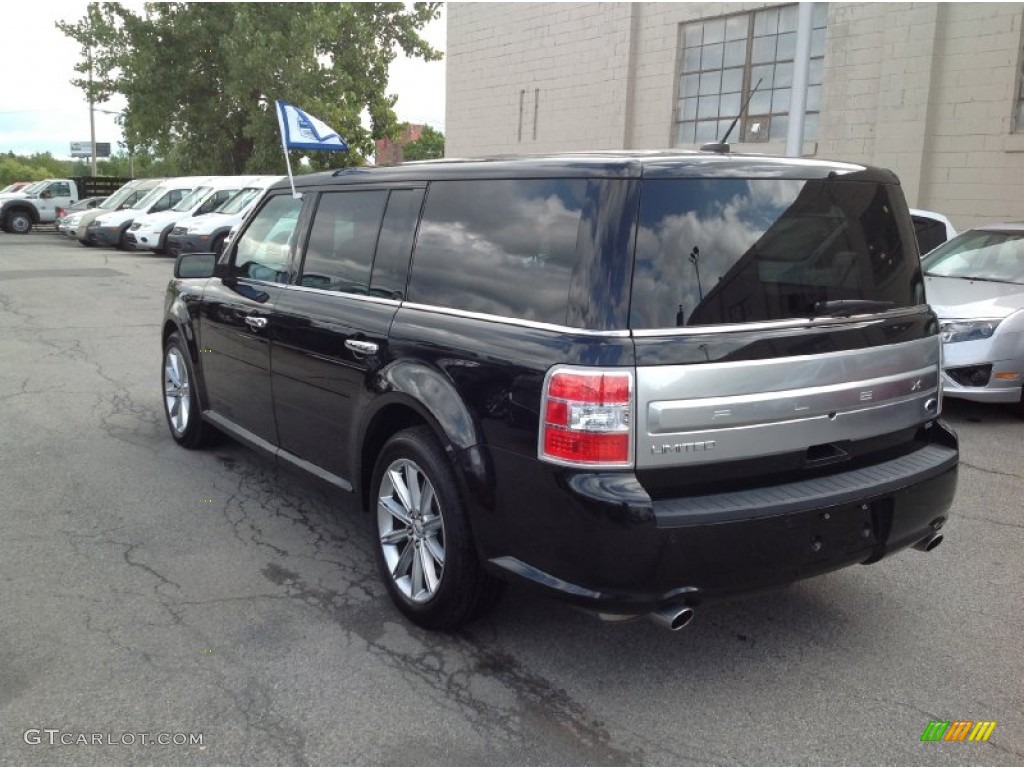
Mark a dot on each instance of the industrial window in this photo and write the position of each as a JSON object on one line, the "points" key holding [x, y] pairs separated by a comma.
{"points": [[723, 59]]}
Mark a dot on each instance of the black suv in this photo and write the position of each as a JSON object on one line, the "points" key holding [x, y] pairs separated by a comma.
{"points": [[635, 381]]}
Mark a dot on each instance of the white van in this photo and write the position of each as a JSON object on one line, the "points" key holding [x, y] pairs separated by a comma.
{"points": [[111, 229], [150, 232], [206, 233]]}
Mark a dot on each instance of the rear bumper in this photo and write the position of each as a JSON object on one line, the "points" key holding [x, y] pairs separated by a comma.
{"points": [[599, 541]]}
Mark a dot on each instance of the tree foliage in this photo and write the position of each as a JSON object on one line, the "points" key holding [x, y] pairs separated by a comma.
{"points": [[43, 165], [200, 79], [429, 146]]}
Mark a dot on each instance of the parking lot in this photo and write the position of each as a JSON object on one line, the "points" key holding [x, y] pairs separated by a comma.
{"points": [[149, 590]]}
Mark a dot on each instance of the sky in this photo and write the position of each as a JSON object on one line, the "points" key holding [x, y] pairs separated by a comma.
{"points": [[40, 111]]}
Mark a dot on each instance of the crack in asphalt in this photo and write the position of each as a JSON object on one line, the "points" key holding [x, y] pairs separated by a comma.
{"points": [[453, 671], [988, 471]]}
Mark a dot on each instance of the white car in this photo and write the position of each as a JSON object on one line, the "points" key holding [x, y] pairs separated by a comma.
{"points": [[208, 232], [975, 284]]}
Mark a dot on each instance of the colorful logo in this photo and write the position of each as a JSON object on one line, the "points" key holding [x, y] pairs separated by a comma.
{"points": [[958, 730]]}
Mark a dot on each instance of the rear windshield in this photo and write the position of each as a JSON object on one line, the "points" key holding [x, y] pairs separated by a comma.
{"points": [[723, 251]]}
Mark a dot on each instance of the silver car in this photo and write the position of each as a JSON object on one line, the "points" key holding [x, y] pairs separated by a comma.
{"points": [[975, 283]]}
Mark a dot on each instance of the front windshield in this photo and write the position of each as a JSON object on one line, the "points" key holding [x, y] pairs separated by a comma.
{"points": [[240, 200], [34, 187], [149, 198], [113, 202], [979, 255], [194, 198]]}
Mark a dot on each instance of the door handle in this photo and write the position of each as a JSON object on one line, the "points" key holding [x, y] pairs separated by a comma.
{"points": [[362, 347], [256, 323]]}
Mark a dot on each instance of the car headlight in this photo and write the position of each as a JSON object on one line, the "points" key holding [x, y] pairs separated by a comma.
{"points": [[968, 330]]}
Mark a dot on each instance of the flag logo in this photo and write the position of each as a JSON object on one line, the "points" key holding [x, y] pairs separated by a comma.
{"points": [[958, 730], [300, 130]]}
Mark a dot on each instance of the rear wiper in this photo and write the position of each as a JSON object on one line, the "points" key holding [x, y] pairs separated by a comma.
{"points": [[847, 307], [974, 279]]}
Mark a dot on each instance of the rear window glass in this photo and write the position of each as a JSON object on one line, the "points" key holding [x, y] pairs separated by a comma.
{"points": [[501, 247], [728, 251]]}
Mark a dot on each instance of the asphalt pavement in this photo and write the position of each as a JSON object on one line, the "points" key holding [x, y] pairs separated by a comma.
{"points": [[231, 609]]}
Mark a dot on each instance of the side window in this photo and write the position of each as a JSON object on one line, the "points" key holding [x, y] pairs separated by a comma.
{"points": [[930, 233], [391, 265], [60, 189], [501, 247], [168, 201], [342, 240], [214, 202], [263, 249]]}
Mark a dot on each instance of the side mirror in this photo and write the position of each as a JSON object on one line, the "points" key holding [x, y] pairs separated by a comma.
{"points": [[45, 194], [195, 265]]}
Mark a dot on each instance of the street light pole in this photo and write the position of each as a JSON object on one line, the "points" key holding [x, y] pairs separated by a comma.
{"points": [[92, 118]]}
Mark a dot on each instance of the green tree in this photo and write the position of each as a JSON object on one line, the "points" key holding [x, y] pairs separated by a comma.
{"points": [[200, 79], [429, 146]]}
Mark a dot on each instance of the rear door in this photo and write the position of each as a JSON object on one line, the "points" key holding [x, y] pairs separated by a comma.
{"points": [[236, 310], [330, 330], [780, 328]]}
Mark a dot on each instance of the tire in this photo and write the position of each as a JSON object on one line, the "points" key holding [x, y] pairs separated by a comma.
{"points": [[122, 240], [181, 399], [426, 555], [19, 223]]}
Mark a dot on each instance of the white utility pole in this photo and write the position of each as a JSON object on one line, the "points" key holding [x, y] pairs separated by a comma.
{"points": [[801, 71], [92, 117]]}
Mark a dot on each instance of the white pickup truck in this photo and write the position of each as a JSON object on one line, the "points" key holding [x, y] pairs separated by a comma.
{"points": [[38, 203]]}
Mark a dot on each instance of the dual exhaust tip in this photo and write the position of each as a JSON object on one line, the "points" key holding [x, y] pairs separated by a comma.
{"points": [[675, 617], [928, 543]]}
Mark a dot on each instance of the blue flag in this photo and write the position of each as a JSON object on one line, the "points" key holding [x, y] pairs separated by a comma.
{"points": [[303, 131]]}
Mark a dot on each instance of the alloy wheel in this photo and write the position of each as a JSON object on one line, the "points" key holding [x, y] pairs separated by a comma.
{"points": [[177, 390], [411, 530]]}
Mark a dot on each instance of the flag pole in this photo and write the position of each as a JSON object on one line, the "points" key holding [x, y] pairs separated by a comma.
{"points": [[288, 163], [284, 148]]}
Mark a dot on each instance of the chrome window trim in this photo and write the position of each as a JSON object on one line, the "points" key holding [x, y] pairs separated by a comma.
{"points": [[621, 334], [769, 325], [358, 296]]}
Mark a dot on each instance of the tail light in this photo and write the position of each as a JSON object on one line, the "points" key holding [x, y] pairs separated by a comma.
{"points": [[586, 417], [61, 213]]}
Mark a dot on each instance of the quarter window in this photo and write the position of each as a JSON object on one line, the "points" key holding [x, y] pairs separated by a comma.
{"points": [[263, 249], [721, 63], [391, 265], [339, 255], [500, 247]]}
